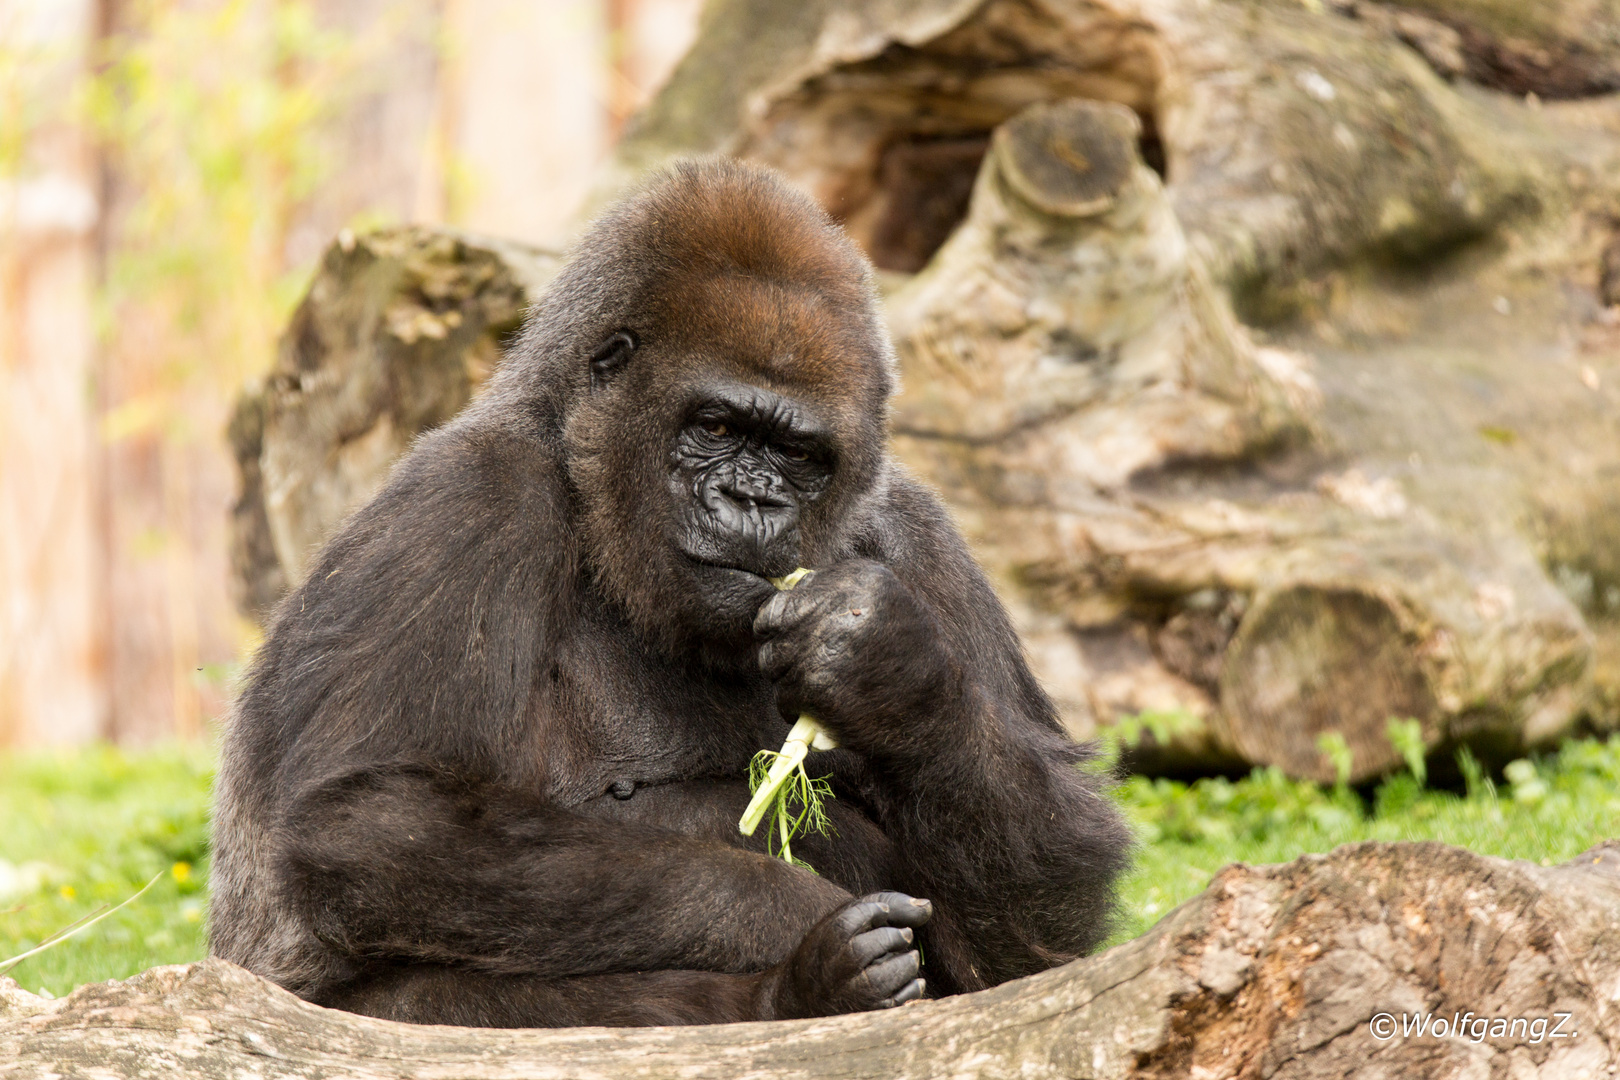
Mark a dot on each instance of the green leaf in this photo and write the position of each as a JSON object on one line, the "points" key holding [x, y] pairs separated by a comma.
{"points": [[797, 810]]}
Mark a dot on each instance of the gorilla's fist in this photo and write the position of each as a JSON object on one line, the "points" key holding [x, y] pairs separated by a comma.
{"points": [[859, 957], [853, 646]]}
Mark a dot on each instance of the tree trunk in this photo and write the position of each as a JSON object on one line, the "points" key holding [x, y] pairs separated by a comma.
{"points": [[1289, 972], [1261, 353]]}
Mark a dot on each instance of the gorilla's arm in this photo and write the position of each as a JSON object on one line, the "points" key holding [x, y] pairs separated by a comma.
{"points": [[508, 912], [423, 863], [907, 653], [868, 929]]}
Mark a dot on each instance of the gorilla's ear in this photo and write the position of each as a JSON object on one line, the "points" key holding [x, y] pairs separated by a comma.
{"points": [[610, 356]]}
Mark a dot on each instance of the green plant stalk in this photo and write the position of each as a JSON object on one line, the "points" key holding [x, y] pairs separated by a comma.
{"points": [[1406, 736], [77, 928], [785, 834], [796, 808], [773, 790]]}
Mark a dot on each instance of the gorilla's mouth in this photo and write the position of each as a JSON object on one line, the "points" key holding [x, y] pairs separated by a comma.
{"points": [[763, 575], [708, 550], [725, 599]]}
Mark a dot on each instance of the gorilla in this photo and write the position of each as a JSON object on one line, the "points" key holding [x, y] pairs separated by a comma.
{"points": [[488, 765]]}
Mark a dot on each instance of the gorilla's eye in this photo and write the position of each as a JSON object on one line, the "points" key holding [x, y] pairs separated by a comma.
{"points": [[793, 453], [716, 428]]}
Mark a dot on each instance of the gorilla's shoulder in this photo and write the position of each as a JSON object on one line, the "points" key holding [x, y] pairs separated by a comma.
{"points": [[472, 515], [906, 521], [491, 470], [492, 487], [453, 578]]}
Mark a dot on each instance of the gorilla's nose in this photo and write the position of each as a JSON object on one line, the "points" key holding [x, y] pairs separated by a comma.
{"points": [[748, 514], [752, 490]]}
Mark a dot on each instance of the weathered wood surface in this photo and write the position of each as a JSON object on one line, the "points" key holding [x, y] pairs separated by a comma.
{"points": [[398, 331], [1275, 971], [1391, 493], [1279, 397]]}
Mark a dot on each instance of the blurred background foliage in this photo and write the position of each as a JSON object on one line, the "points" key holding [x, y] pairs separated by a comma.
{"points": [[210, 116], [170, 171]]}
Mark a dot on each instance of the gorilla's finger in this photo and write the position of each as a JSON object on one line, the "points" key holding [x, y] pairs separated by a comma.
{"points": [[912, 991], [864, 914], [769, 619], [774, 660], [887, 978], [876, 943], [902, 910], [782, 612]]}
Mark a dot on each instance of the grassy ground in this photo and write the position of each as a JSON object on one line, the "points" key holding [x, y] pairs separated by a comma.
{"points": [[87, 828]]}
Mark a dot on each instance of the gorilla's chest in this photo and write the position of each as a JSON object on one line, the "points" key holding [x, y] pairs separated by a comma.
{"points": [[612, 719]]}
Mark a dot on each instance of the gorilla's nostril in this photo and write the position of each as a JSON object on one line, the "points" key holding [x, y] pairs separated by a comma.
{"points": [[754, 496]]}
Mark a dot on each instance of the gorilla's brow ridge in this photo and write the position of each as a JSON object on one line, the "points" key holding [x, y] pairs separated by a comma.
{"points": [[767, 411]]}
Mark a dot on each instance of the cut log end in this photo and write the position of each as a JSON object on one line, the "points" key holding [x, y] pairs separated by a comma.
{"points": [[1069, 158], [1310, 660]]}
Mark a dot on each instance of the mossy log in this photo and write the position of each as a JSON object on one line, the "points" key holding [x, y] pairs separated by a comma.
{"points": [[1296, 972], [1261, 350]]}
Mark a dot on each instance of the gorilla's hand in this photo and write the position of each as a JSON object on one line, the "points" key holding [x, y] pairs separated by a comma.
{"points": [[853, 647], [859, 957]]}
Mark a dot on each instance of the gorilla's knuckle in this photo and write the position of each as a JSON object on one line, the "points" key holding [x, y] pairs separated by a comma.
{"points": [[770, 659], [776, 612]]}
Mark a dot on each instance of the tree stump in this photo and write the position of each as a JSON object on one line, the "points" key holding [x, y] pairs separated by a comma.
{"points": [[398, 332], [1305, 970]]}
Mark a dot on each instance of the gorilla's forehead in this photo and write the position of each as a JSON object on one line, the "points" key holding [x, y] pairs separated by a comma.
{"points": [[779, 332]]}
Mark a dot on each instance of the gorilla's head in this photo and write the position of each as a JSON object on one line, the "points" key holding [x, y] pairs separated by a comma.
{"points": [[721, 378]]}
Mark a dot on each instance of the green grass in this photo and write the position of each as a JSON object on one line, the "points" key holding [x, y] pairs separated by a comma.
{"points": [[89, 827]]}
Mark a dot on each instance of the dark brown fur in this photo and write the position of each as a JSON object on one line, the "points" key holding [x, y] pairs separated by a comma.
{"points": [[487, 767]]}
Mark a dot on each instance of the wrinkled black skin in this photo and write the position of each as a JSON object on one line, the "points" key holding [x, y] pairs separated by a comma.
{"points": [[488, 766]]}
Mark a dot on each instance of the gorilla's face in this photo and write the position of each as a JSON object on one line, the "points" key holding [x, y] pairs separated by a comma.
{"points": [[733, 417], [743, 469], [704, 467]]}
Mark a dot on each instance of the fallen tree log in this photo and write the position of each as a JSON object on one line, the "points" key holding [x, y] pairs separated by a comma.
{"points": [[1298, 971]]}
